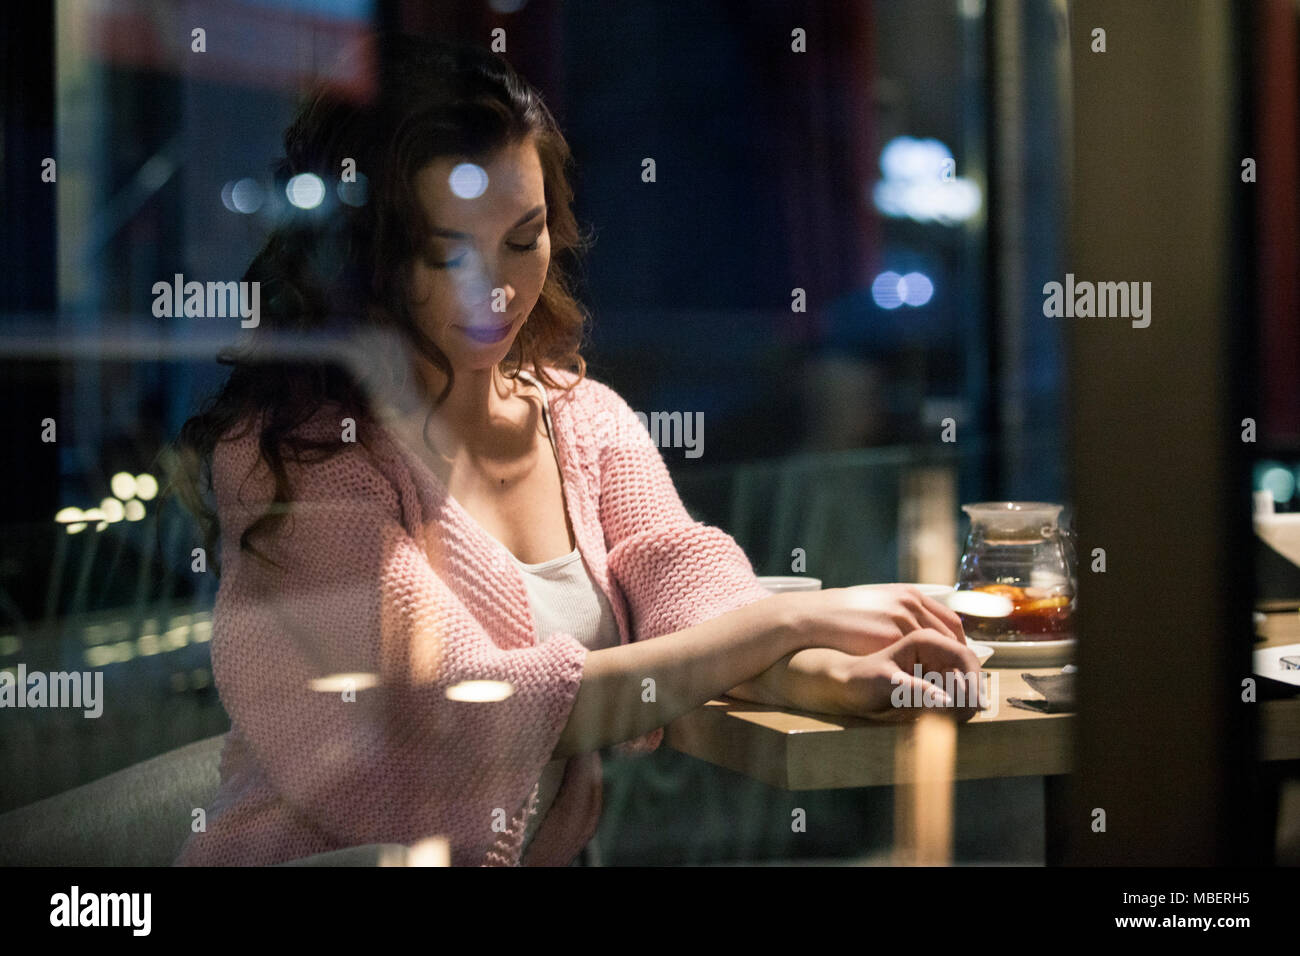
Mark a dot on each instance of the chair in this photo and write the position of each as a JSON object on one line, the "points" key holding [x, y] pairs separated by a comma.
{"points": [[138, 816]]}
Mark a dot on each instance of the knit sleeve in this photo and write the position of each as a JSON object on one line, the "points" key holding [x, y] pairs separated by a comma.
{"points": [[339, 670], [676, 572]]}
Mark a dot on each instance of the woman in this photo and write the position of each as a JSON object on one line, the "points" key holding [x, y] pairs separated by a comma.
{"points": [[481, 540]]}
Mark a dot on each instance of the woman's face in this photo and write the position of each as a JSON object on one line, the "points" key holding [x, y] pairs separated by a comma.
{"points": [[483, 270]]}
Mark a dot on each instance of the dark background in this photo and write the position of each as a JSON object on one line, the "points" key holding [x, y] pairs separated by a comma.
{"points": [[765, 164]]}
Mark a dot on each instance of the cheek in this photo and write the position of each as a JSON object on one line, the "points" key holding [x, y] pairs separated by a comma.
{"points": [[532, 273], [536, 274], [432, 297], [419, 286]]}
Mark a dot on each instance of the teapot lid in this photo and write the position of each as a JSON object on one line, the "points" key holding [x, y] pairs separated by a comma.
{"points": [[1013, 515]]}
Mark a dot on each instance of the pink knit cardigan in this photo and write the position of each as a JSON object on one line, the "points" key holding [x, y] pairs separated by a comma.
{"points": [[384, 574]]}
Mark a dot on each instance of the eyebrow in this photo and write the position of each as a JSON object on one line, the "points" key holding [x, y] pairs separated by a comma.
{"points": [[452, 234]]}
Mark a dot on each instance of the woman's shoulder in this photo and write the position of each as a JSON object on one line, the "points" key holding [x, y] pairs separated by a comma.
{"points": [[598, 417], [323, 456], [594, 398]]}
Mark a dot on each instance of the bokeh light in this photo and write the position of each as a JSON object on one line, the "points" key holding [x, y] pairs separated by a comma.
{"points": [[468, 180], [884, 290], [915, 288], [306, 191], [246, 196]]}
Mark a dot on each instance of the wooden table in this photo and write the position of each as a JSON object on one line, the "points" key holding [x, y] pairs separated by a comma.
{"points": [[793, 750]]}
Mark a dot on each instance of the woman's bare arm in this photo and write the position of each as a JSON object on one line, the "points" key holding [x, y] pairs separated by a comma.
{"points": [[811, 679], [615, 702], [630, 690]]}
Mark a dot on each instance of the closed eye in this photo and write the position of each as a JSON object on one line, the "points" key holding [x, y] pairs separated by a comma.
{"points": [[514, 247]]}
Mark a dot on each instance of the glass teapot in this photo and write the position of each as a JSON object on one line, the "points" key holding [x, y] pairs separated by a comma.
{"points": [[1018, 554]]}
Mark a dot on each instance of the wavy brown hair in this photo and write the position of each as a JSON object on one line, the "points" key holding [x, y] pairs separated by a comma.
{"points": [[344, 266]]}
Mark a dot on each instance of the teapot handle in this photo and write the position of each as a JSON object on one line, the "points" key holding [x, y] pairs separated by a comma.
{"points": [[1069, 545]]}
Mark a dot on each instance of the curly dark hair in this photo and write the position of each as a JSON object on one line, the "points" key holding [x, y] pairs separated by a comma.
{"points": [[346, 268]]}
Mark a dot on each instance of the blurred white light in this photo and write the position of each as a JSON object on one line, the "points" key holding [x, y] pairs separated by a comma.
{"points": [[948, 202], [468, 181], [305, 190], [227, 198], [99, 656], [917, 185], [354, 194], [915, 288], [134, 510], [113, 510], [979, 603], [337, 683], [1280, 482], [905, 158], [75, 528], [68, 515], [434, 851], [246, 196], [123, 485], [480, 690], [146, 486], [885, 290]]}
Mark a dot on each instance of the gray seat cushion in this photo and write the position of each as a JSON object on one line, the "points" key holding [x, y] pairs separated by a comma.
{"points": [[139, 816]]}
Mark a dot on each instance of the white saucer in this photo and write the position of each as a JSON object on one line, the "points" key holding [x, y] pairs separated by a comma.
{"points": [[982, 651], [1028, 653]]}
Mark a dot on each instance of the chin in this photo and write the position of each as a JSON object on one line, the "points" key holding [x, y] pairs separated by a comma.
{"points": [[484, 357]]}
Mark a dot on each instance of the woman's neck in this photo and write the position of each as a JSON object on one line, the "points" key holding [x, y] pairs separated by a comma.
{"points": [[482, 403], [476, 397]]}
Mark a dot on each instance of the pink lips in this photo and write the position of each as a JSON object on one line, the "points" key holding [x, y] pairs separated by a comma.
{"points": [[485, 336]]}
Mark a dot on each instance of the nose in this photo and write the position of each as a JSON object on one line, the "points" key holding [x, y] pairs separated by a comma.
{"points": [[481, 286]]}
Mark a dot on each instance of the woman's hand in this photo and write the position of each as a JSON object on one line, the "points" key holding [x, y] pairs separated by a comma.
{"points": [[885, 686], [863, 620]]}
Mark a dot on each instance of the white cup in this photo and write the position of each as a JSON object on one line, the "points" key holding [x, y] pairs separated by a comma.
{"points": [[790, 583]]}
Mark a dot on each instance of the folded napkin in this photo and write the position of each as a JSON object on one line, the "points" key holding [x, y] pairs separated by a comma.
{"points": [[1057, 691]]}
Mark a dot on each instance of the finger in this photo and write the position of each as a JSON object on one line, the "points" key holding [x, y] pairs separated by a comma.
{"points": [[928, 617], [915, 694], [946, 614], [935, 652], [963, 706], [963, 657], [913, 614], [938, 699], [929, 613], [940, 652]]}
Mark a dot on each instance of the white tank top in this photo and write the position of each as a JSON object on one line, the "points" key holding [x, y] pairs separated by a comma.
{"points": [[565, 598]]}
